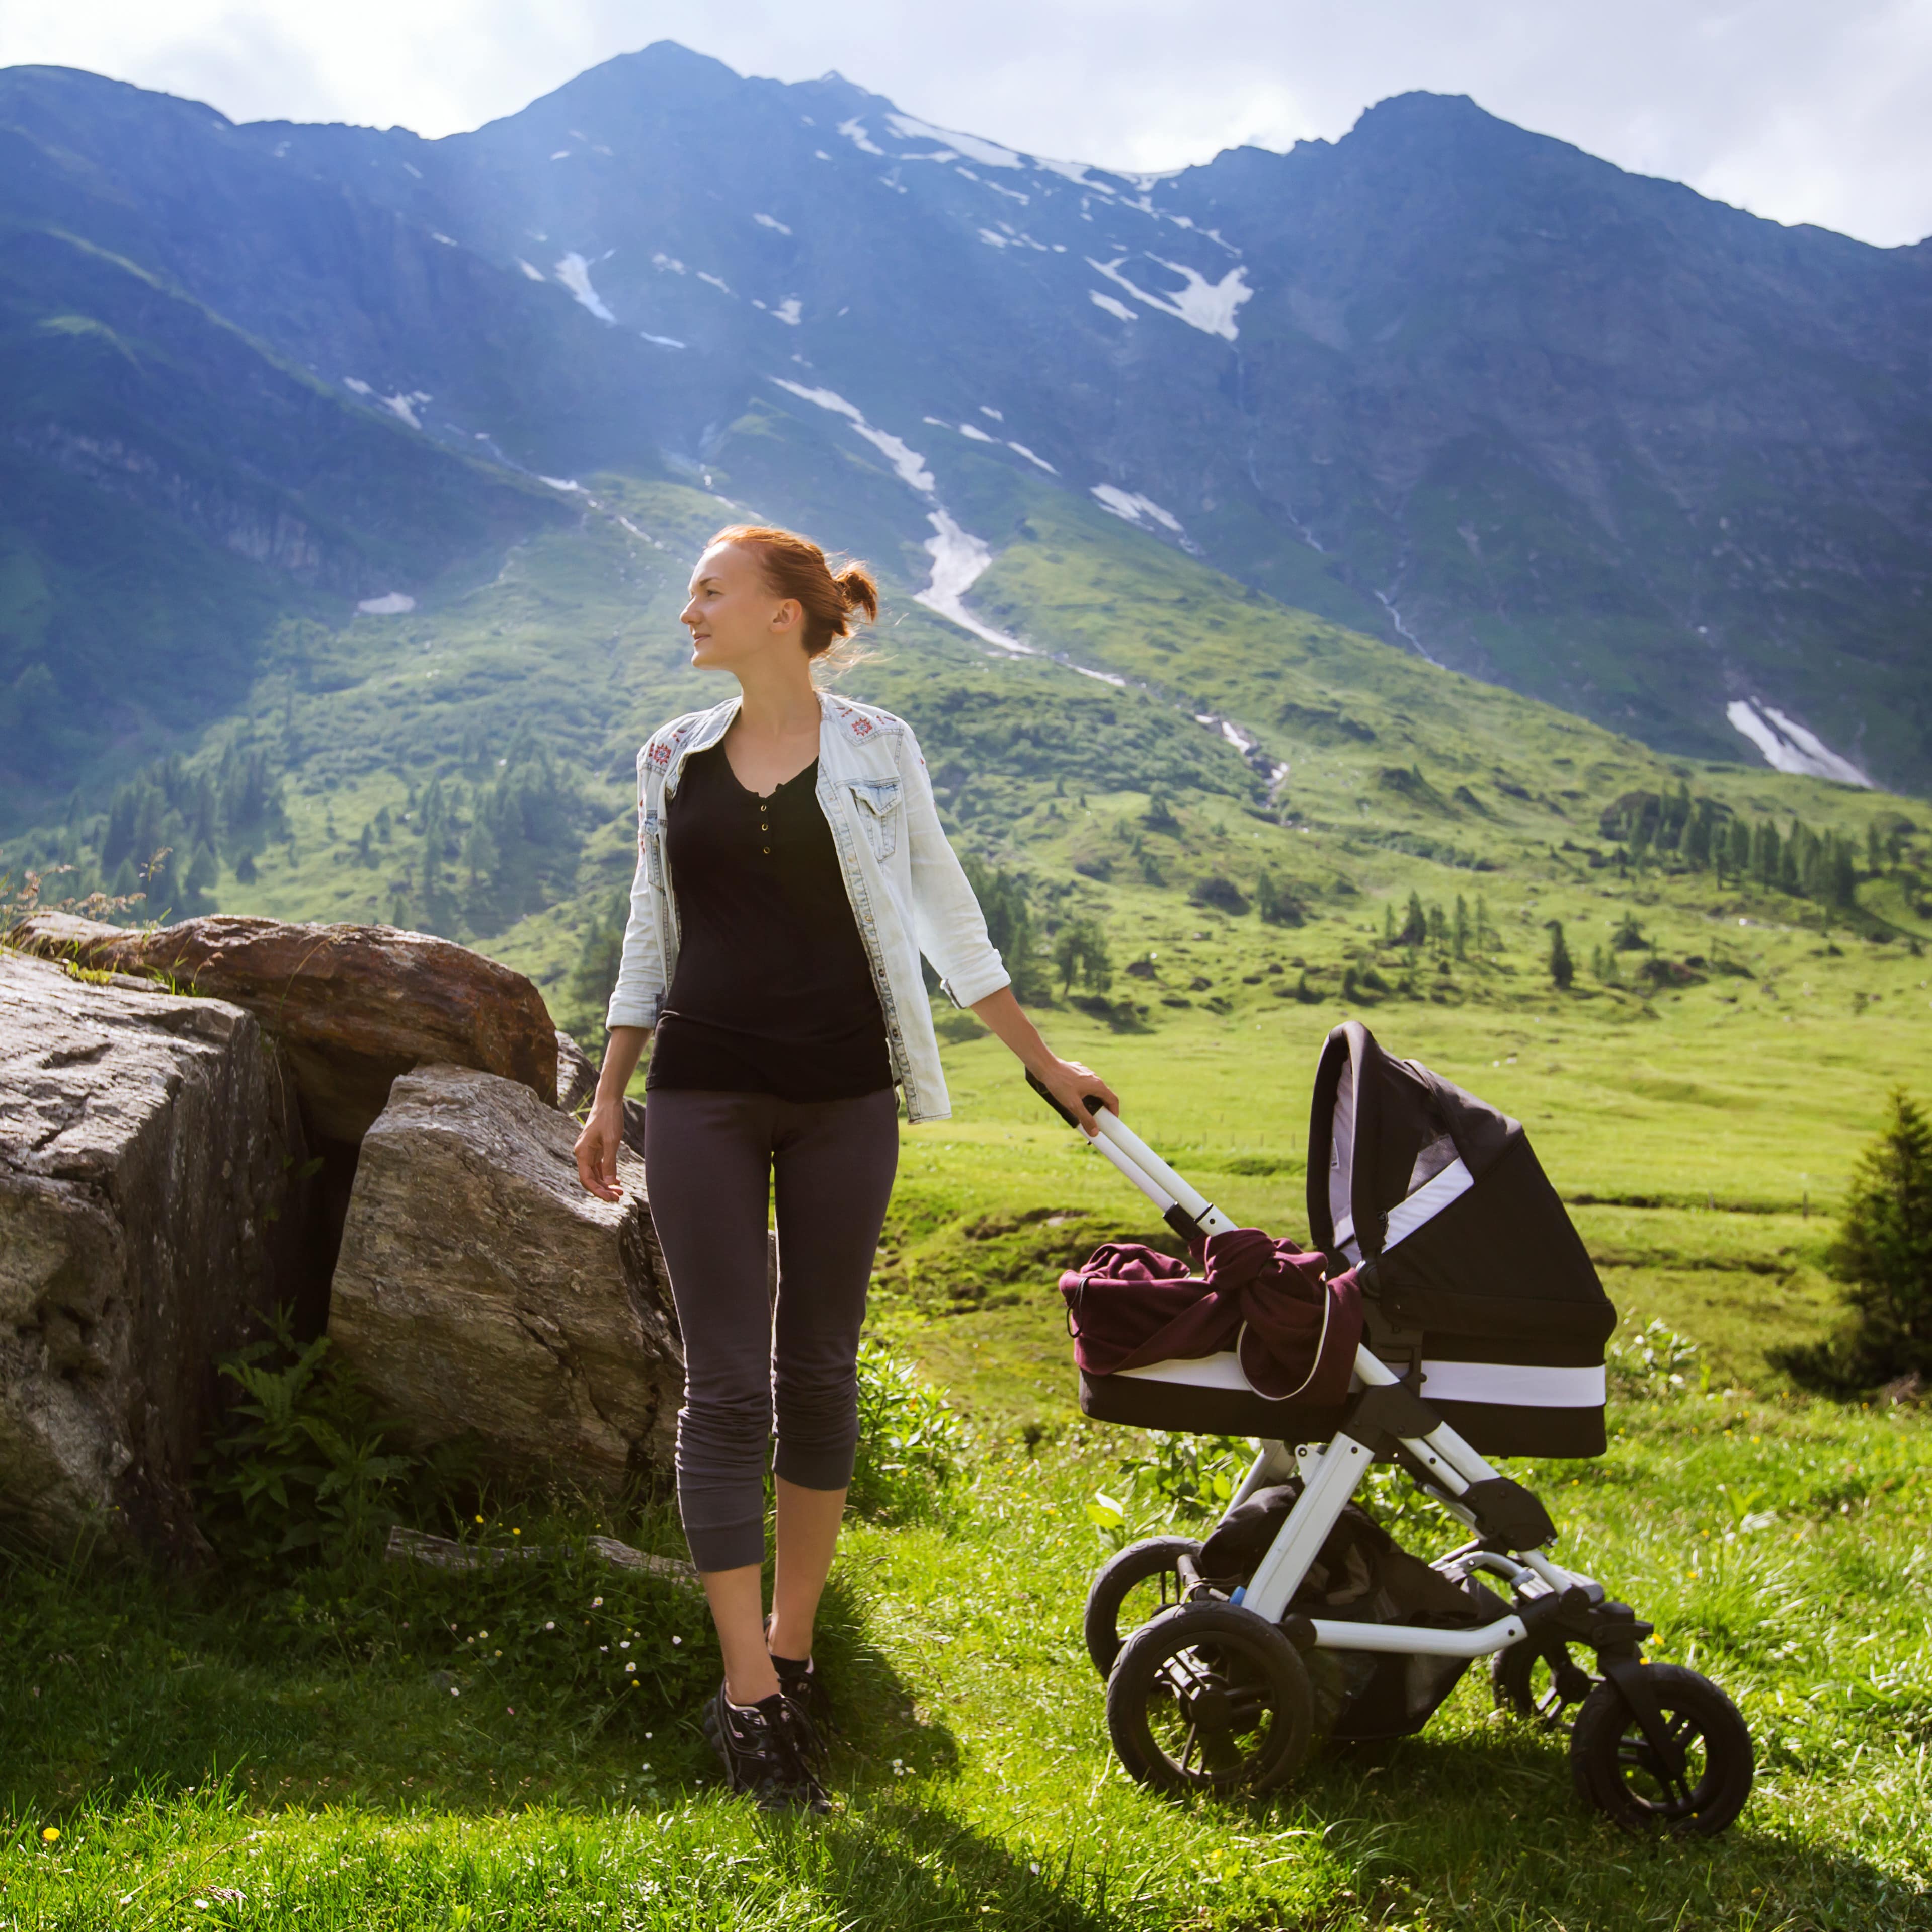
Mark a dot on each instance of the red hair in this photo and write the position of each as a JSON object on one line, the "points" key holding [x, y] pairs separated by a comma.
{"points": [[795, 567]]}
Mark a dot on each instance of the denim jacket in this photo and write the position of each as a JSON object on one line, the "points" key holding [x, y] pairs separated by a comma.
{"points": [[909, 893]]}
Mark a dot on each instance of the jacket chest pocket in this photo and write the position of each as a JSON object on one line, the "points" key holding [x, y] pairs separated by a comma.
{"points": [[879, 811]]}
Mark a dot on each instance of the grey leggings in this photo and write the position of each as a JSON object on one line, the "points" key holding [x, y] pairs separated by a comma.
{"points": [[710, 1163]]}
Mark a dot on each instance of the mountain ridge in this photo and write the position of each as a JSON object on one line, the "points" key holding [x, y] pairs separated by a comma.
{"points": [[1444, 380]]}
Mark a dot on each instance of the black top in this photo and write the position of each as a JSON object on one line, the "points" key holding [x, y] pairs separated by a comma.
{"points": [[773, 993]]}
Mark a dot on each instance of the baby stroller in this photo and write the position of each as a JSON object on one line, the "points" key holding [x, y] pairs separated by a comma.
{"points": [[1449, 1313]]}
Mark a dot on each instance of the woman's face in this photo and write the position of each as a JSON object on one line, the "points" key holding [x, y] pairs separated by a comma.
{"points": [[734, 617]]}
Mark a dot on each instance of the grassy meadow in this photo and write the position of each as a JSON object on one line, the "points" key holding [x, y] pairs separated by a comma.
{"points": [[338, 1750], [357, 1746]]}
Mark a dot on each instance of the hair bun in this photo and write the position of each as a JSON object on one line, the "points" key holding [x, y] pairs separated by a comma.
{"points": [[859, 590]]}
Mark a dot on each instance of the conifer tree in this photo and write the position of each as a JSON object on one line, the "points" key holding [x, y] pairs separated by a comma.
{"points": [[1415, 924], [1883, 1254], [1460, 939], [1562, 968]]}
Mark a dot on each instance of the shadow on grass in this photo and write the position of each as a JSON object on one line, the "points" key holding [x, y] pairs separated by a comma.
{"points": [[391, 1687]]}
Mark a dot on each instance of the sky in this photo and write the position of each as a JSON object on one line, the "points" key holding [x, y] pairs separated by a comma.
{"points": [[1798, 110]]}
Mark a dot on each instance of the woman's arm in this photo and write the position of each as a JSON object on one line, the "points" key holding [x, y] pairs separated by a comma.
{"points": [[1066, 1080], [952, 935], [603, 1134]]}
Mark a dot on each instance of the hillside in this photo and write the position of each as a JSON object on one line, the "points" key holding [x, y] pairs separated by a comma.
{"points": [[1443, 381]]}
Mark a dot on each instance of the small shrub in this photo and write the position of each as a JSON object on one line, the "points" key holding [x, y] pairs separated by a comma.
{"points": [[303, 1466], [1174, 1476], [911, 1443], [1883, 1254], [1654, 1363]]}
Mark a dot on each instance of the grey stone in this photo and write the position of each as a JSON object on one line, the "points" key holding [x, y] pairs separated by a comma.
{"points": [[152, 1204], [480, 1290], [576, 1077]]}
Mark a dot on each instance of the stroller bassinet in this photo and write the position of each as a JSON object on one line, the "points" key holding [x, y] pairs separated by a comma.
{"points": [[1472, 1278]]}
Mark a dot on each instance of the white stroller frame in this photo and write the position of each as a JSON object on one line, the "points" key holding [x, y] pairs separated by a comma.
{"points": [[1331, 1472]]}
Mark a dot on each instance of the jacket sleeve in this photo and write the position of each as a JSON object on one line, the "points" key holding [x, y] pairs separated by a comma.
{"points": [[639, 990], [948, 924]]}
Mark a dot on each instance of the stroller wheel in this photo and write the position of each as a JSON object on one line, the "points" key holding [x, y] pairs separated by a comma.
{"points": [[1539, 1684], [1140, 1580], [1210, 1697], [1618, 1771]]}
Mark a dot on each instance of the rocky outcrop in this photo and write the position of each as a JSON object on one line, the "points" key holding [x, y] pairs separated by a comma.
{"points": [[353, 1006], [152, 1198], [480, 1290]]}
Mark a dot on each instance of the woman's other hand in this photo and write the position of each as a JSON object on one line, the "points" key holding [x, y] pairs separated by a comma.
{"points": [[596, 1152]]}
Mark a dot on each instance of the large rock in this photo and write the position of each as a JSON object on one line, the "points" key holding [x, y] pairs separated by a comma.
{"points": [[151, 1203], [480, 1290], [353, 1006]]}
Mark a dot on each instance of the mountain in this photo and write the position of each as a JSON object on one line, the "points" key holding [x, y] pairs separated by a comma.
{"points": [[1570, 430]]}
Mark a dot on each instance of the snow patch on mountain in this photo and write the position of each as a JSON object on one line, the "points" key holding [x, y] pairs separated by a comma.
{"points": [[1201, 304], [987, 154], [403, 406], [1039, 462], [1789, 746], [662, 341], [1134, 508], [356, 383], [716, 281], [772, 222], [978, 435], [535, 274], [1073, 171], [854, 131], [790, 309], [907, 462], [661, 260], [1112, 305], [573, 272], [959, 557], [392, 604]]}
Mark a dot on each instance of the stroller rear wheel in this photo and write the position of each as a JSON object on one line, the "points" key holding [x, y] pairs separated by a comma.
{"points": [[1539, 1683], [1141, 1579], [1618, 1770], [1209, 1697]]}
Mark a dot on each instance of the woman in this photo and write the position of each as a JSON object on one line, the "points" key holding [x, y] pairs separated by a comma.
{"points": [[791, 869]]}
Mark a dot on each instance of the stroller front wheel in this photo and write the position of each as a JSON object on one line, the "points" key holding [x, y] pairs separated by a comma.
{"points": [[1149, 1561], [1211, 1698], [1617, 1769]]}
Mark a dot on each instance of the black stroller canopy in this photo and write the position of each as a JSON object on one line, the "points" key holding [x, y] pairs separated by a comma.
{"points": [[1440, 1196]]}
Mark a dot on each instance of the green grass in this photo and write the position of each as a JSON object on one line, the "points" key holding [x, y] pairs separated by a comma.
{"points": [[293, 1756], [299, 1747]]}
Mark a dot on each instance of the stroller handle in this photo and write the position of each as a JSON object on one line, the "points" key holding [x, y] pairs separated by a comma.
{"points": [[1184, 1207]]}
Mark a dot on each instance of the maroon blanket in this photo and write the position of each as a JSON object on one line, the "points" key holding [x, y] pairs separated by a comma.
{"points": [[1296, 1334]]}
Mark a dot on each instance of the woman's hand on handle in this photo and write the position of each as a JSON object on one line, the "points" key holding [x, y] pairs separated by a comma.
{"points": [[1071, 1084], [1067, 1080]]}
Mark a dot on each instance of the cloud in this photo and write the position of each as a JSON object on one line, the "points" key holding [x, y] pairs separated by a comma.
{"points": [[1796, 111]]}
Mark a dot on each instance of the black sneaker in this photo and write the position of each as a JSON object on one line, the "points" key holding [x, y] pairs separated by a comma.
{"points": [[769, 1751], [799, 1681]]}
